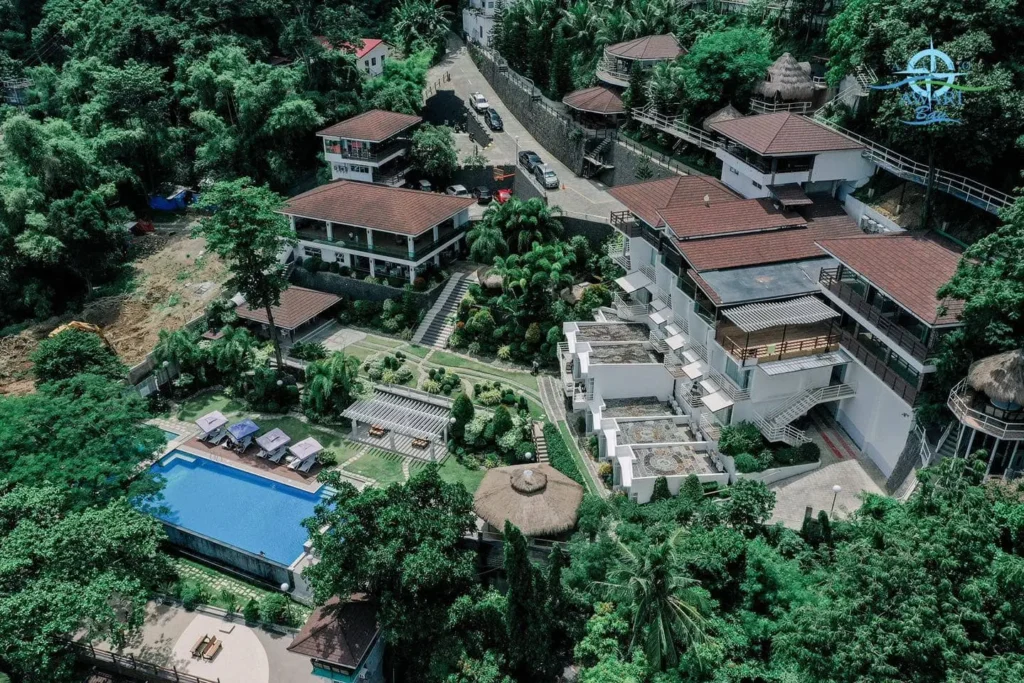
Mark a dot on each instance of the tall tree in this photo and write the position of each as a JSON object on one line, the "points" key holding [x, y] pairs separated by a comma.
{"points": [[486, 241], [524, 222], [73, 352], [433, 151], [330, 385], [249, 235]]}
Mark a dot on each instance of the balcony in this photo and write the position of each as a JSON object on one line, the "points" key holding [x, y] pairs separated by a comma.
{"points": [[619, 254], [372, 153], [973, 409], [889, 376], [625, 222], [614, 71], [384, 243], [777, 343], [853, 295]]}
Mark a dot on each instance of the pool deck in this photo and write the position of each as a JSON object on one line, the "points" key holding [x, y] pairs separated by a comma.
{"points": [[278, 472]]}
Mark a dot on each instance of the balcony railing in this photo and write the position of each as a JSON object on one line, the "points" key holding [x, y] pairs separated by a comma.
{"points": [[855, 300], [625, 222], [373, 154], [726, 384], [890, 377], [384, 246], [764, 351], [966, 407]]}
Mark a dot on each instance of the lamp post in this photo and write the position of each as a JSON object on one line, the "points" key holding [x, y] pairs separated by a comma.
{"points": [[835, 494], [515, 161]]}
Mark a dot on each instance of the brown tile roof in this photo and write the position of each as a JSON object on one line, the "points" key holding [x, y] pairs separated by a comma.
{"points": [[379, 207], [783, 133], [646, 199], [704, 285], [648, 47], [747, 215], [298, 305], [597, 100], [339, 632], [375, 125], [790, 194], [825, 220], [907, 268]]}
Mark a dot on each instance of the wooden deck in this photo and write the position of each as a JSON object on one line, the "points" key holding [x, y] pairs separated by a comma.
{"points": [[779, 343], [249, 461]]}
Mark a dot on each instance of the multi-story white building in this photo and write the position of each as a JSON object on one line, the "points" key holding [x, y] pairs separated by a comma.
{"points": [[478, 20], [370, 54], [749, 312], [379, 230], [372, 147]]}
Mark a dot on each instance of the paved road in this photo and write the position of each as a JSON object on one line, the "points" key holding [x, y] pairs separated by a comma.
{"points": [[580, 196]]}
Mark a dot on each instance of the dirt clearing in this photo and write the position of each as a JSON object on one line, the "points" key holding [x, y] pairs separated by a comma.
{"points": [[175, 279]]}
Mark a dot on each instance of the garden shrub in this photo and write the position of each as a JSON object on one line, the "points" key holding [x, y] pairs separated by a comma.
{"points": [[230, 600], [559, 455], [327, 458], [604, 470], [274, 609], [661, 491], [505, 352], [308, 351], [743, 437], [747, 464], [251, 611], [474, 349], [193, 595], [431, 386]]}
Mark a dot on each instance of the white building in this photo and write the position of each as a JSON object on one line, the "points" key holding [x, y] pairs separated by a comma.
{"points": [[370, 54], [742, 322], [372, 147], [478, 20], [379, 230]]}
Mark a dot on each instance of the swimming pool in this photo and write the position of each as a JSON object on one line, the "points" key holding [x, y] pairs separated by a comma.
{"points": [[235, 507], [170, 436]]}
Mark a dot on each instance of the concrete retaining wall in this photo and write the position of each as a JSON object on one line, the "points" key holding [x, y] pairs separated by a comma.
{"points": [[354, 289], [779, 473], [596, 232]]}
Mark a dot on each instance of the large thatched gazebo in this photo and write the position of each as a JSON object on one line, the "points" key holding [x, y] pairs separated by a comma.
{"points": [[1001, 378], [788, 80], [726, 113], [537, 498]]}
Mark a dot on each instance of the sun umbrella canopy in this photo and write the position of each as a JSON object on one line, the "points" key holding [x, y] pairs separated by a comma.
{"points": [[1000, 377], [211, 421], [307, 448], [242, 429], [272, 440]]}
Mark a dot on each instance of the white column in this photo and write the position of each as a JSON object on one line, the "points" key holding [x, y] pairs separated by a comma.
{"points": [[437, 233], [373, 266], [330, 231], [291, 222], [347, 258], [412, 247], [412, 274], [369, 238], [991, 457], [437, 260]]}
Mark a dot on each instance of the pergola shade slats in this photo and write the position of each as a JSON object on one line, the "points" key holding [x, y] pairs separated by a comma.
{"points": [[802, 311], [405, 415]]}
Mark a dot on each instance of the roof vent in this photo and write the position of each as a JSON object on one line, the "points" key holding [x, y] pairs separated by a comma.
{"points": [[707, 200]]}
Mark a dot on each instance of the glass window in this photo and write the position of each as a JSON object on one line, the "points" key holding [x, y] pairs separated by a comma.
{"points": [[733, 372], [309, 251], [366, 62], [374, 61]]}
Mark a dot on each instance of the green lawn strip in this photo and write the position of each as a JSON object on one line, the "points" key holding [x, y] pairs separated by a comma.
{"points": [[451, 360], [453, 471], [197, 407], [216, 582], [361, 352], [378, 464], [418, 351], [577, 457], [383, 342]]}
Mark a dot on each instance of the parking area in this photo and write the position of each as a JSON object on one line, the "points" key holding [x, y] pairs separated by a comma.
{"points": [[577, 196]]}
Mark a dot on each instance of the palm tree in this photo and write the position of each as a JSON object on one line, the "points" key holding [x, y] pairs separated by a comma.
{"points": [[421, 21], [666, 606], [234, 351], [581, 23], [181, 349], [486, 241], [331, 385], [523, 223]]}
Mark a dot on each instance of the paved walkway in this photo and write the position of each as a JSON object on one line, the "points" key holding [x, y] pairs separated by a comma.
{"points": [[579, 196]]}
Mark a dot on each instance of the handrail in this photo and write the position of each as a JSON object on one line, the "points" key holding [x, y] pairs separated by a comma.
{"points": [[765, 107], [846, 293], [760, 351], [726, 384], [786, 433], [876, 365], [710, 427], [128, 664], [372, 154], [675, 126], [960, 405]]}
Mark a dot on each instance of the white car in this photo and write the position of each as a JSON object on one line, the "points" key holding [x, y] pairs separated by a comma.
{"points": [[478, 102], [546, 176], [457, 191]]}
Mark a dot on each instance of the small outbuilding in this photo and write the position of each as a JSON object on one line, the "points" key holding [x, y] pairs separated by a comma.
{"points": [[342, 640], [298, 310], [538, 499]]}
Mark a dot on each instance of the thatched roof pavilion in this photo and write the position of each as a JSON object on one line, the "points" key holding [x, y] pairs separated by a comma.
{"points": [[537, 498], [726, 113], [787, 80], [1000, 377]]}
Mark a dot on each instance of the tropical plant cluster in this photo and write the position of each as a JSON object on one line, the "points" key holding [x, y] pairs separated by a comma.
{"points": [[390, 369], [558, 454], [440, 381], [397, 316], [490, 438], [743, 441]]}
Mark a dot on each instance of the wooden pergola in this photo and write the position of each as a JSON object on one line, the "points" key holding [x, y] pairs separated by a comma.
{"points": [[413, 422]]}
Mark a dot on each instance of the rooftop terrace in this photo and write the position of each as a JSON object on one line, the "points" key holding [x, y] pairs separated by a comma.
{"points": [[670, 461], [612, 332], [647, 406], [622, 353], [653, 431]]}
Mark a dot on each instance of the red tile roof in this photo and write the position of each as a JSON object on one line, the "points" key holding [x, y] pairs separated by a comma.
{"points": [[719, 218], [908, 268], [298, 305], [648, 198], [825, 220], [375, 125], [339, 632], [597, 100], [378, 207], [368, 44], [704, 285], [648, 47], [783, 133]]}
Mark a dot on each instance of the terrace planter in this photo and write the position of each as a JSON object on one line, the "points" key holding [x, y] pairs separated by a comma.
{"points": [[770, 476]]}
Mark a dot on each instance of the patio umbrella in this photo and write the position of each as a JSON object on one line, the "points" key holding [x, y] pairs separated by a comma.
{"points": [[212, 421], [307, 448], [272, 440], [1000, 377], [240, 430], [537, 498]]}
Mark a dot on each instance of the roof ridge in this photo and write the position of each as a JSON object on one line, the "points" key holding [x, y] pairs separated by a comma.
{"points": [[785, 119]]}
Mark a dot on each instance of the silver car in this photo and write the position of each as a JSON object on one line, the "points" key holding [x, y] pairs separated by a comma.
{"points": [[478, 102], [546, 176]]}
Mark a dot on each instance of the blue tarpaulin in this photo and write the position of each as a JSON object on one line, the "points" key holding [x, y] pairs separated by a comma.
{"points": [[242, 429], [178, 200]]}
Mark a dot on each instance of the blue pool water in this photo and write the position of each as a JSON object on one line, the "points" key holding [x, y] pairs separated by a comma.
{"points": [[170, 436], [235, 507]]}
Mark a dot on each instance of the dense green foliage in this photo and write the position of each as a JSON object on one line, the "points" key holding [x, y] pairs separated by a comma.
{"points": [[73, 352], [330, 386], [64, 569], [558, 454], [433, 151]]}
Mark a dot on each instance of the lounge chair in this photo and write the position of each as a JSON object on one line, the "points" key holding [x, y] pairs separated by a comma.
{"points": [[200, 647], [307, 464], [276, 457], [294, 464], [216, 436]]}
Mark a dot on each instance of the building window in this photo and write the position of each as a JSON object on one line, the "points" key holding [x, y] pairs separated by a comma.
{"points": [[733, 372], [757, 184], [382, 59], [733, 170], [367, 63], [373, 61], [341, 168], [311, 252], [359, 169]]}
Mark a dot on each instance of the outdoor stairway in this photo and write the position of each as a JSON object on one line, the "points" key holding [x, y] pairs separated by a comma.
{"points": [[595, 158], [775, 425], [618, 250], [539, 442], [436, 326], [675, 125]]}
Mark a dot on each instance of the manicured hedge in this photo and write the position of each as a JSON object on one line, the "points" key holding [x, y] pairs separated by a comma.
{"points": [[559, 455]]}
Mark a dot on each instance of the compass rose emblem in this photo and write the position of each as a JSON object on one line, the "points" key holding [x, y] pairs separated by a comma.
{"points": [[924, 75]]}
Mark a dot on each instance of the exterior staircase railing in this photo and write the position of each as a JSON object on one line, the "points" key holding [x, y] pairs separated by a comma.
{"points": [[774, 424], [674, 125], [629, 310]]}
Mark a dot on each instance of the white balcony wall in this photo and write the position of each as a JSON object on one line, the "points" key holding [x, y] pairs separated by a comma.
{"points": [[632, 380], [876, 419], [849, 165], [767, 389]]}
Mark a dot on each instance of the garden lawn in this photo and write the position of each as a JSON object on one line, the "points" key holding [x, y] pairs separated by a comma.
{"points": [[418, 351], [454, 471], [380, 465], [215, 582], [524, 379], [195, 408]]}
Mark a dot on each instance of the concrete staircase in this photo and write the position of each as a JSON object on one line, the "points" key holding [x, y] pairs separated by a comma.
{"points": [[436, 328], [539, 442], [775, 426]]}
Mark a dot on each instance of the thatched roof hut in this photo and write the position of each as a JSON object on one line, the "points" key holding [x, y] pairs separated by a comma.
{"points": [[787, 80], [1000, 377], [538, 499], [726, 113]]}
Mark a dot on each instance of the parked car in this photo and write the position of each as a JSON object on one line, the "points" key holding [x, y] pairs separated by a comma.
{"points": [[425, 185], [457, 191], [529, 160], [482, 194], [478, 102], [546, 176], [494, 121], [502, 195]]}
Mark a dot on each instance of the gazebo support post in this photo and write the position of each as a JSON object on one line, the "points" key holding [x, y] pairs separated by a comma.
{"points": [[970, 442], [992, 457], [1013, 459]]}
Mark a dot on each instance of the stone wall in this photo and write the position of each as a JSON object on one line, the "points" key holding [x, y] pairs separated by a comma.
{"points": [[474, 177], [626, 161], [595, 232], [351, 288], [526, 186], [559, 135]]}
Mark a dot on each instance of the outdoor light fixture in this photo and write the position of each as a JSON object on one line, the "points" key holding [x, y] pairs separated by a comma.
{"points": [[835, 494]]}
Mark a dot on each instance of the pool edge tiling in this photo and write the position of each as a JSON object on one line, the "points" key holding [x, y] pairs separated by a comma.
{"points": [[236, 507]]}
